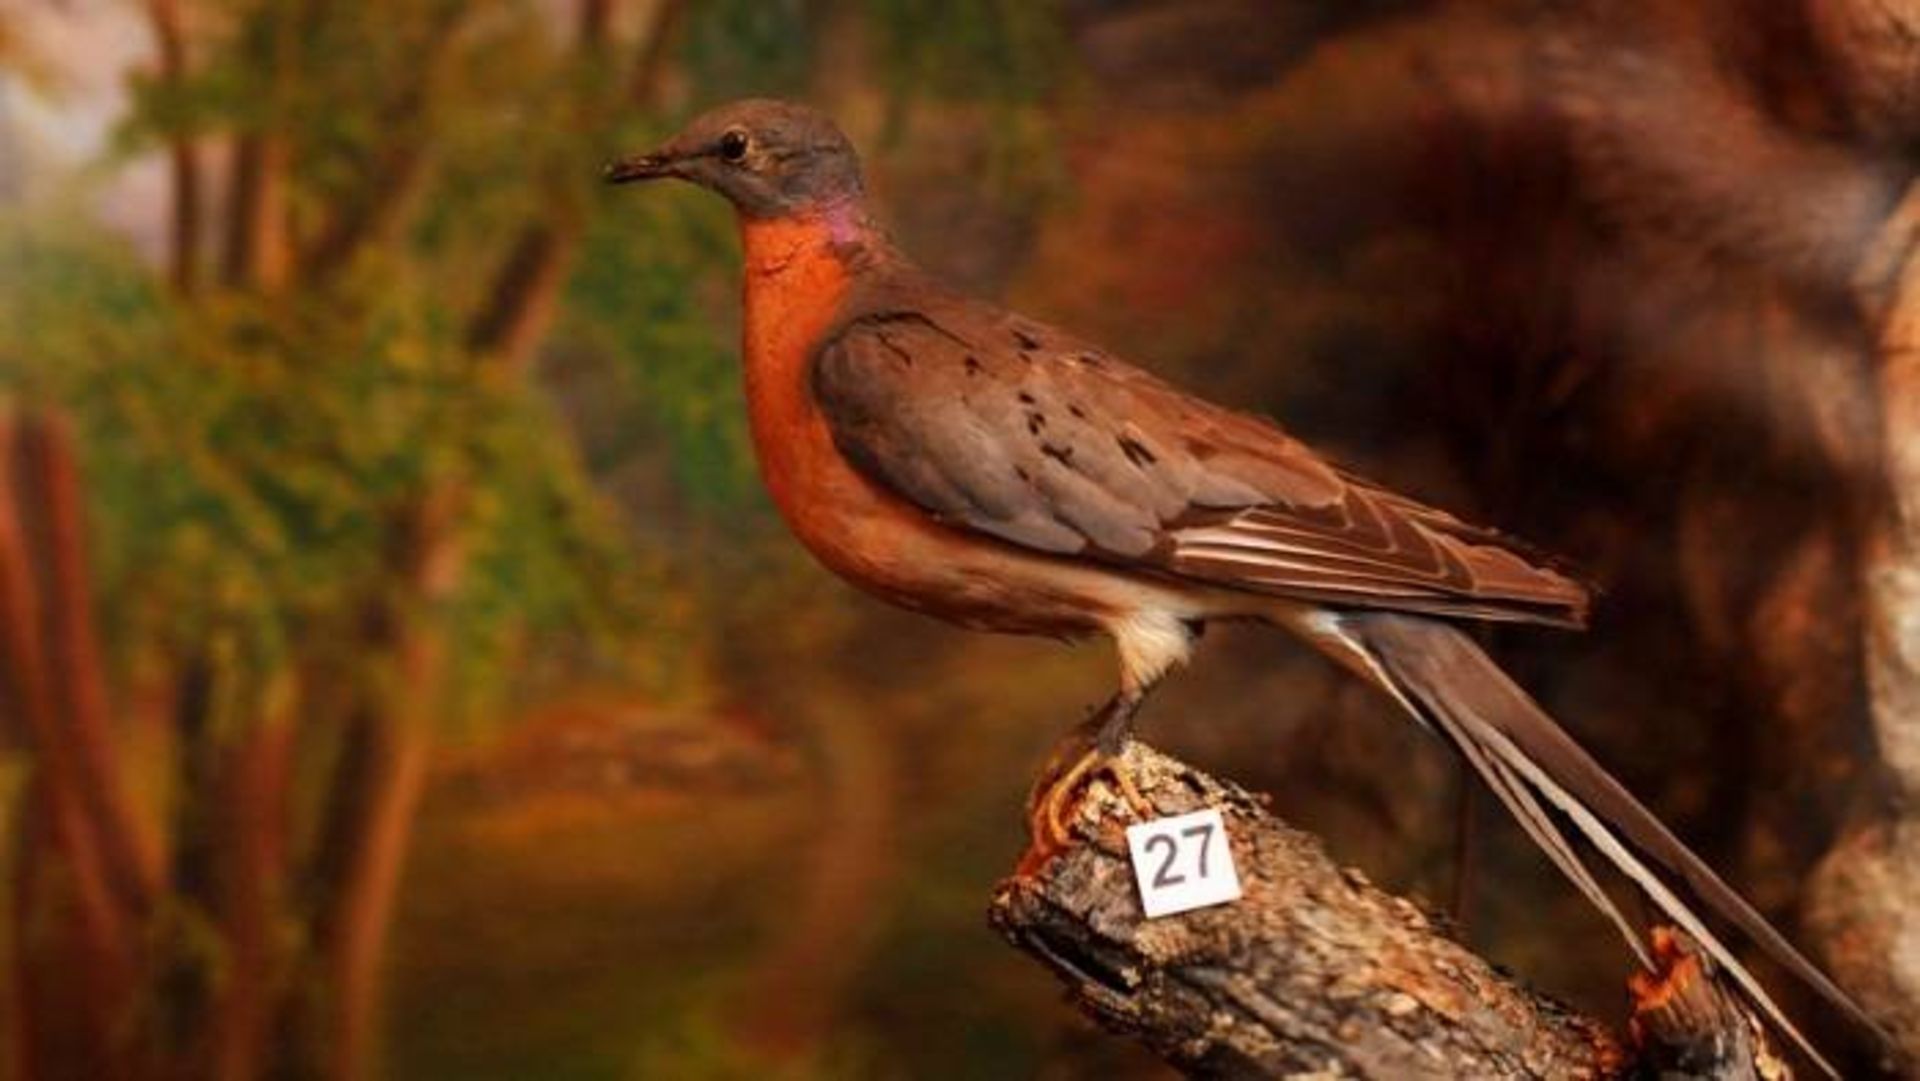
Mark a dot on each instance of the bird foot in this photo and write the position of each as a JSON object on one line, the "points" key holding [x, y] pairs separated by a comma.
{"points": [[1050, 812], [1094, 748]]}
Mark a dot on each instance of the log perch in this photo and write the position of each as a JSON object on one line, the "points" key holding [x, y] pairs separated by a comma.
{"points": [[1686, 1024], [1316, 972]]}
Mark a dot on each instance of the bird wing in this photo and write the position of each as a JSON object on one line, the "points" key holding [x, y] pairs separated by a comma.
{"points": [[1000, 425]]}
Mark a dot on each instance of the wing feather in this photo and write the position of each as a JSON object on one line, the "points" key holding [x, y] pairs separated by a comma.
{"points": [[1000, 425]]}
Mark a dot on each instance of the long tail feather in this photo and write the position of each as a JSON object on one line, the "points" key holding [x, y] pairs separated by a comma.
{"points": [[1440, 675], [1539, 825]]}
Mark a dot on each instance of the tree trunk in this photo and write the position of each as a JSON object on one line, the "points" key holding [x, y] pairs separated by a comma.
{"points": [[1316, 972], [255, 797], [257, 252], [183, 157], [379, 782], [395, 750], [52, 484], [526, 293], [76, 921]]}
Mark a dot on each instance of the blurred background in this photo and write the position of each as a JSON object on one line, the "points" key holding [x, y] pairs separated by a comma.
{"points": [[405, 676]]}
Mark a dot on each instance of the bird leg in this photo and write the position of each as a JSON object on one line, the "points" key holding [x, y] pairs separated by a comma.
{"points": [[1089, 749]]}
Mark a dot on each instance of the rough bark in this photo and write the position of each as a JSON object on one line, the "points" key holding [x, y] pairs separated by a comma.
{"points": [[1317, 972], [1687, 1025]]}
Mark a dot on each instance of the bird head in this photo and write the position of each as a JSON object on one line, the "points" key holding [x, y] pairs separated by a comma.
{"points": [[771, 159]]}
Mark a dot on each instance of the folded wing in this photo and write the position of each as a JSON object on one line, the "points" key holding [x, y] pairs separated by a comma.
{"points": [[996, 424]]}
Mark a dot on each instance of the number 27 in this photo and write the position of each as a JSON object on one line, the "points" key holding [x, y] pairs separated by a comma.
{"points": [[1170, 851]]}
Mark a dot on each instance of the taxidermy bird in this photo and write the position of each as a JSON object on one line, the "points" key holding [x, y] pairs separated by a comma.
{"points": [[986, 468]]}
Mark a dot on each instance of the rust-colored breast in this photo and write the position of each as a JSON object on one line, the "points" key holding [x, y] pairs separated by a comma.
{"points": [[796, 283], [794, 287]]}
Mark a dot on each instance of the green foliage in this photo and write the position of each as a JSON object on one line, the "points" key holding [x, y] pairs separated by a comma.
{"points": [[1009, 56], [1004, 51], [252, 454], [250, 457], [645, 297], [247, 459], [555, 588], [750, 48]]}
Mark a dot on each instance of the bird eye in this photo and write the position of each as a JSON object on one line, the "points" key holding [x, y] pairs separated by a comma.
{"points": [[733, 145]]}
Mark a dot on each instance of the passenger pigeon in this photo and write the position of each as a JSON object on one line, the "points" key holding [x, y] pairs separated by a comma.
{"points": [[980, 466]]}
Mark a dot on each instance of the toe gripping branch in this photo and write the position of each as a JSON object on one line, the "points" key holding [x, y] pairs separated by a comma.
{"points": [[1093, 752]]}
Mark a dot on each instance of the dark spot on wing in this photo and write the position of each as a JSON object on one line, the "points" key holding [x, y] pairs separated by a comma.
{"points": [[1137, 452], [1078, 412], [1025, 398], [1035, 422], [1026, 340], [973, 365], [1063, 455], [1091, 360]]}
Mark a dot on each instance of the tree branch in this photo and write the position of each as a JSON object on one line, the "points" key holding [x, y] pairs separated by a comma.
{"points": [[170, 36], [1688, 1025], [526, 289], [259, 244], [525, 292], [50, 480], [650, 62], [1315, 970], [74, 1005], [398, 172]]}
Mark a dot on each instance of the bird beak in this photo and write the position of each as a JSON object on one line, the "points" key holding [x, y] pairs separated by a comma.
{"points": [[645, 167]]}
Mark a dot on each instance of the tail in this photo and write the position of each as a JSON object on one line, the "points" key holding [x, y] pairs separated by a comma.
{"points": [[1444, 679]]}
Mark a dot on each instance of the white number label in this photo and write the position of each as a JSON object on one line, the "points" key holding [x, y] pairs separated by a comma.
{"points": [[1183, 863]]}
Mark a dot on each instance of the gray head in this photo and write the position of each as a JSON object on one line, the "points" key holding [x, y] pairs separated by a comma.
{"points": [[771, 158]]}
